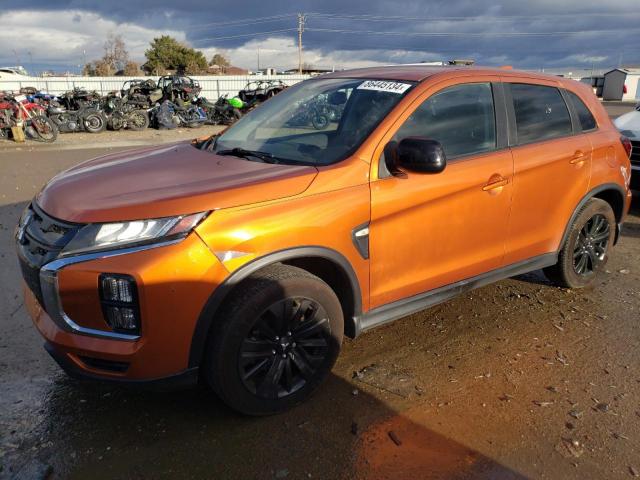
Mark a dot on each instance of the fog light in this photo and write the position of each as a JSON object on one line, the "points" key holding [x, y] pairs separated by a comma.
{"points": [[119, 298], [121, 318]]}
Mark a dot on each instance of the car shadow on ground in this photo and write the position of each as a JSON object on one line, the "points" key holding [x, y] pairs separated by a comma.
{"points": [[97, 431]]}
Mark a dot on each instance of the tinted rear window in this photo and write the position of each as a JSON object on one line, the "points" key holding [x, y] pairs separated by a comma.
{"points": [[541, 113], [587, 122]]}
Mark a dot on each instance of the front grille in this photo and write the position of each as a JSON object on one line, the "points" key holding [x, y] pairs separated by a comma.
{"points": [[635, 152], [40, 241]]}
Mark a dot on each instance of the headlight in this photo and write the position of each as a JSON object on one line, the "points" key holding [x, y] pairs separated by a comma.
{"points": [[107, 236]]}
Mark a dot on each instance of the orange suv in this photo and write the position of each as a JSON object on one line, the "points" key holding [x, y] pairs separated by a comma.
{"points": [[343, 203]]}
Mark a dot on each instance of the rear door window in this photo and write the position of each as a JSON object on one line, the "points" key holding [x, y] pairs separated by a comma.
{"points": [[587, 122], [541, 113]]}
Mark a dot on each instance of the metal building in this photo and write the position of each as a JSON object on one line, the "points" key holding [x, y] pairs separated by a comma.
{"points": [[621, 84]]}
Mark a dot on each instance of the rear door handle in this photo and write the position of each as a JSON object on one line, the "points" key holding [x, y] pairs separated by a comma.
{"points": [[495, 184], [578, 157]]}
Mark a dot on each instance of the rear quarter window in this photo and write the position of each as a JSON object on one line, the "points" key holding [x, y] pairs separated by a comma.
{"points": [[541, 113], [587, 122]]}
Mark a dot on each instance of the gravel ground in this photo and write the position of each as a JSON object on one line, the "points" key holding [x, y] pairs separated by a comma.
{"points": [[515, 380]]}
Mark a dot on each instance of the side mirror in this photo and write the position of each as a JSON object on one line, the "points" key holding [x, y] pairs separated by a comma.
{"points": [[419, 154], [337, 98]]}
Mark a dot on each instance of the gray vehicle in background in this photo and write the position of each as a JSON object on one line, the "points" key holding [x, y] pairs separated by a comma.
{"points": [[629, 126]]}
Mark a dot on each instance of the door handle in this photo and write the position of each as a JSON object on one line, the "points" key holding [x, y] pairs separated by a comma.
{"points": [[578, 157], [501, 182]]}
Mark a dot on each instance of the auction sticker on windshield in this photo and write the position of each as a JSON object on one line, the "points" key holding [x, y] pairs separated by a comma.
{"points": [[384, 86]]}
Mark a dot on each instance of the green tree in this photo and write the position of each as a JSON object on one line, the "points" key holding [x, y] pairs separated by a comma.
{"points": [[166, 53]]}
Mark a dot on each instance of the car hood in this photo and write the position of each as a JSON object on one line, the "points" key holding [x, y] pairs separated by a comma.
{"points": [[629, 124], [164, 181]]}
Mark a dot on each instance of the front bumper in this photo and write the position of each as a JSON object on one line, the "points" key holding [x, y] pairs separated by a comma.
{"points": [[174, 282], [185, 379]]}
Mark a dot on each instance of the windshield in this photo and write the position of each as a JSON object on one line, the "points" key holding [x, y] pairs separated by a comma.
{"points": [[315, 122]]}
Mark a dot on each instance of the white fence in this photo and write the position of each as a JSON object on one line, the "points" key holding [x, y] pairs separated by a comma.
{"points": [[212, 86]]}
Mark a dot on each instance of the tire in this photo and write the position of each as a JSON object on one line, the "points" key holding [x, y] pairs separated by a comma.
{"points": [[586, 249], [138, 120], [115, 123], [240, 358], [45, 129], [320, 121], [94, 122]]}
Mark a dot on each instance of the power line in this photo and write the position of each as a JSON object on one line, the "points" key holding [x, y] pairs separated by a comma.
{"points": [[246, 21], [469, 34], [379, 18], [244, 35]]}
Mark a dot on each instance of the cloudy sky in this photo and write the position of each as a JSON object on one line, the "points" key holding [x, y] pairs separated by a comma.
{"points": [[61, 34]]}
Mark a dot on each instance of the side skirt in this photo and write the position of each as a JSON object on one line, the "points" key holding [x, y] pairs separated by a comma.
{"points": [[401, 308]]}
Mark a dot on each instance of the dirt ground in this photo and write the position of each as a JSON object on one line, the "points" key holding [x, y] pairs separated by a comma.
{"points": [[111, 139], [515, 380]]}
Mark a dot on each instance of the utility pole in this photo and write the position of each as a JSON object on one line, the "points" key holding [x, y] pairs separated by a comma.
{"points": [[258, 58], [301, 20]]}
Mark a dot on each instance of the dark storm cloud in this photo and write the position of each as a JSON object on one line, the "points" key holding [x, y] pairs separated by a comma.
{"points": [[614, 30]]}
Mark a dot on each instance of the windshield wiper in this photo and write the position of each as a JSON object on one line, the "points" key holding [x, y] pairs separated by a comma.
{"points": [[242, 153]]}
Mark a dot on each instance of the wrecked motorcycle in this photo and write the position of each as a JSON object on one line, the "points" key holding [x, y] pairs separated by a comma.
{"points": [[224, 111], [18, 111], [122, 113], [168, 115], [84, 119]]}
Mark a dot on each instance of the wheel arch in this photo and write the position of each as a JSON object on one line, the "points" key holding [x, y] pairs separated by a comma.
{"points": [[612, 193], [327, 264]]}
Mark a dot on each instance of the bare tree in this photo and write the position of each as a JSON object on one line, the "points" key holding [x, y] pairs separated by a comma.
{"points": [[103, 68], [114, 60], [115, 52], [131, 69]]}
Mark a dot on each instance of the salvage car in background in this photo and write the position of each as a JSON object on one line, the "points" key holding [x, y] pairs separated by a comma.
{"points": [[629, 126]]}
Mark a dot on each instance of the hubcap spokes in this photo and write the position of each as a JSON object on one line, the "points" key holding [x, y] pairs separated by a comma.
{"points": [[591, 245], [285, 348]]}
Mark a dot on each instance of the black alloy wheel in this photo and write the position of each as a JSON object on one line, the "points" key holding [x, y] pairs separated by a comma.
{"points": [[285, 348], [591, 245], [274, 341], [585, 249]]}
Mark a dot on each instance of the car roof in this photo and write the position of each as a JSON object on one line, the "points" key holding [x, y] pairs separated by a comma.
{"points": [[418, 73]]}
